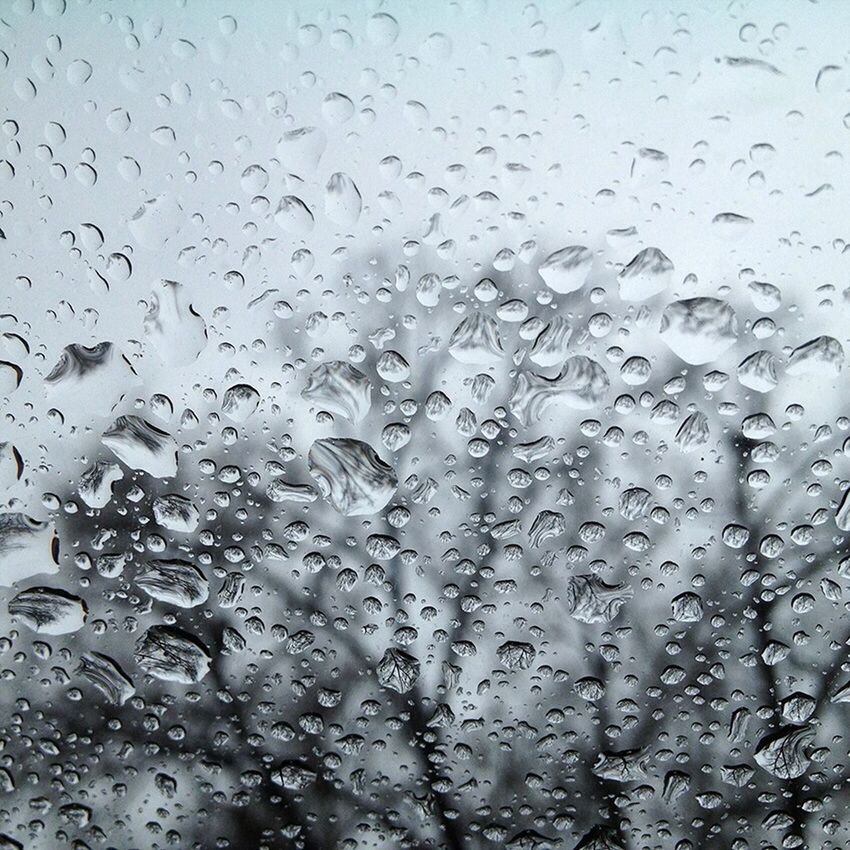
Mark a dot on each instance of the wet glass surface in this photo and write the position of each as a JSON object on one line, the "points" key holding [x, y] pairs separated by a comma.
{"points": [[424, 425]]}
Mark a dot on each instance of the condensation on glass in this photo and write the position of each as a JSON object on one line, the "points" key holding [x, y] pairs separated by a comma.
{"points": [[423, 425]]}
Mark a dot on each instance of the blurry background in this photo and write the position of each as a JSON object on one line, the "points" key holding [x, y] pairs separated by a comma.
{"points": [[573, 278]]}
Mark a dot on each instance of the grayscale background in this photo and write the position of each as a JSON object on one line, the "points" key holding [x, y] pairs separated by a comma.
{"points": [[424, 425]]}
